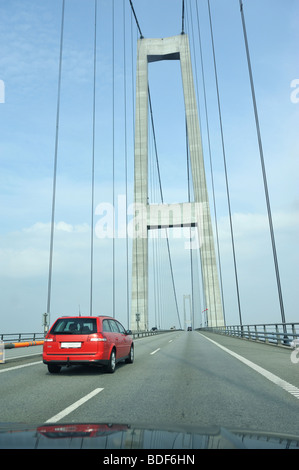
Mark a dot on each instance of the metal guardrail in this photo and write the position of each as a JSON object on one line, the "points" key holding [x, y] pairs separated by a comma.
{"points": [[21, 337], [279, 334], [142, 334], [21, 340]]}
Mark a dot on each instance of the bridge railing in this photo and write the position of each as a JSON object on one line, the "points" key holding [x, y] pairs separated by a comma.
{"points": [[18, 340], [21, 337], [142, 334], [21, 340], [279, 334]]}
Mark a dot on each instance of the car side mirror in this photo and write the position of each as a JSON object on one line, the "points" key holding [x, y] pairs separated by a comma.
{"points": [[129, 332]]}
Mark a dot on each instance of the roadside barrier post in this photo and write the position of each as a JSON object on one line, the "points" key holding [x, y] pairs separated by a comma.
{"points": [[2, 352]]}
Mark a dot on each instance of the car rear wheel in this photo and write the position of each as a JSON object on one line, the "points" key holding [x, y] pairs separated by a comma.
{"points": [[130, 359], [112, 362], [53, 368]]}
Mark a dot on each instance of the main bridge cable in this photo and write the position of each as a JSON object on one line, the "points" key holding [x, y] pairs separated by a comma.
{"points": [[126, 159], [137, 23], [93, 159], [225, 168], [263, 166], [204, 261], [55, 167], [141, 36], [193, 252], [159, 176], [210, 158], [212, 178], [113, 160]]}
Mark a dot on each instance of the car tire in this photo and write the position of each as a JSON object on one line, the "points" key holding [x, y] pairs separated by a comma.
{"points": [[53, 368], [112, 362], [130, 359]]}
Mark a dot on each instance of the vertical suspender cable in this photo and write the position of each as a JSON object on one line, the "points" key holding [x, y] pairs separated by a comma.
{"points": [[93, 152], [167, 241], [189, 195], [113, 168], [263, 166], [133, 119], [168, 248], [126, 159], [137, 78], [210, 157], [55, 167], [225, 169], [204, 260]]}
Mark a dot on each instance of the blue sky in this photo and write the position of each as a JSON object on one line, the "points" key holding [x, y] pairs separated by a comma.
{"points": [[29, 57]]}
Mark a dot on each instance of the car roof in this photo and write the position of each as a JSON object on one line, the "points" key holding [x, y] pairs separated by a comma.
{"points": [[86, 316]]}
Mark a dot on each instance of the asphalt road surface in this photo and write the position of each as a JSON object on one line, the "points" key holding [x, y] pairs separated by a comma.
{"points": [[177, 379]]}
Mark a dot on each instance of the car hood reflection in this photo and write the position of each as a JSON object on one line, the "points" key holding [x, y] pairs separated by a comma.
{"points": [[123, 436]]}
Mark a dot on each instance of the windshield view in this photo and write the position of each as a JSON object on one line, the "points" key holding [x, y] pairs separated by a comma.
{"points": [[149, 231]]}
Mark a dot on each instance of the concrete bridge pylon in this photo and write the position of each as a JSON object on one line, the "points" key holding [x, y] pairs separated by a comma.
{"points": [[147, 216]]}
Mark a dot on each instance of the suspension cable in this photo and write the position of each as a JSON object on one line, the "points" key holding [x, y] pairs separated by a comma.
{"points": [[263, 166], [210, 158], [183, 17], [225, 168], [113, 161], [93, 158], [55, 167], [205, 258], [132, 7], [159, 176], [126, 160]]}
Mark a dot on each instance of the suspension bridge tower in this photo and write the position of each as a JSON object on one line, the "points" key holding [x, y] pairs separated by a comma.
{"points": [[184, 214]]}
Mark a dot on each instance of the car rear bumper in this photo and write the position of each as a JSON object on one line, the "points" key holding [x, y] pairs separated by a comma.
{"points": [[69, 361]]}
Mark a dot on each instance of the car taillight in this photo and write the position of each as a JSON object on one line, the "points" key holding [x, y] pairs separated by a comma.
{"points": [[48, 339], [98, 337]]}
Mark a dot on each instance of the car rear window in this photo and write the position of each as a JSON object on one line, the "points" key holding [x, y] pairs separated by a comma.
{"points": [[74, 326]]}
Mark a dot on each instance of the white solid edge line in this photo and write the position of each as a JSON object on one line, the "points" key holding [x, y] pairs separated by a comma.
{"points": [[156, 350], [21, 367], [294, 391], [74, 406], [21, 357]]}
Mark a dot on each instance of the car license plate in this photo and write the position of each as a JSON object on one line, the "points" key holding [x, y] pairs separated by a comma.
{"points": [[71, 345]]}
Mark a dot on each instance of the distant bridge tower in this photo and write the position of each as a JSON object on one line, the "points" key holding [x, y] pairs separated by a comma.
{"points": [[148, 216]]}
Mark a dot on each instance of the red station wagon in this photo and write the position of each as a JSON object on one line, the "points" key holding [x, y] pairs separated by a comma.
{"points": [[87, 340]]}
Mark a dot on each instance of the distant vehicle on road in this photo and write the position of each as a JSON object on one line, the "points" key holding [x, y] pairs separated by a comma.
{"points": [[77, 340], [189, 328]]}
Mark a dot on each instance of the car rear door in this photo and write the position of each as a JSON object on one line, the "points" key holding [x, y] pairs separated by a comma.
{"points": [[124, 340], [115, 338], [73, 337]]}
